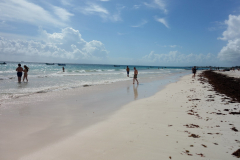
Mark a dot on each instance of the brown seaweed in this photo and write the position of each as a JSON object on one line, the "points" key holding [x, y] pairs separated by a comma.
{"points": [[236, 153], [223, 84]]}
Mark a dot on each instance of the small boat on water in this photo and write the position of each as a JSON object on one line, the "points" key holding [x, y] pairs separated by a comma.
{"points": [[61, 64], [116, 66], [49, 63], [3, 63]]}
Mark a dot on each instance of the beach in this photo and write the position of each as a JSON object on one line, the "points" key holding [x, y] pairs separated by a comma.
{"points": [[184, 120]]}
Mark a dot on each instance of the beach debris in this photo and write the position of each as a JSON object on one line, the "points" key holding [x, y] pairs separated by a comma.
{"points": [[215, 143], [196, 99], [220, 114], [187, 152], [226, 109], [204, 145], [209, 100], [169, 125], [234, 113], [191, 126], [194, 136], [191, 145], [170, 157], [200, 154], [234, 129], [225, 98], [86, 85], [236, 153], [42, 91], [193, 90], [211, 96], [191, 110]]}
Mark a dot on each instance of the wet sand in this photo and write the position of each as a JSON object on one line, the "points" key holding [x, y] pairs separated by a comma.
{"points": [[185, 120]]}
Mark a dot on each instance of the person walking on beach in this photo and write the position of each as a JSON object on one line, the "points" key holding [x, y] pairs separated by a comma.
{"points": [[127, 71], [194, 70], [19, 70], [25, 73], [135, 75]]}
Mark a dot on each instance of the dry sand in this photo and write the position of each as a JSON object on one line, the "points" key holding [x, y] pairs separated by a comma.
{"points": [[185, 120], [231, 73]]}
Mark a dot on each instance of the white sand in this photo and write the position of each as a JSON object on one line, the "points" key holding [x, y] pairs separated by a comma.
{"points": [[231, 73], [141, 130]]}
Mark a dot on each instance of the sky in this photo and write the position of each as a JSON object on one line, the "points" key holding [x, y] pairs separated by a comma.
{"points": [[128, 32]]}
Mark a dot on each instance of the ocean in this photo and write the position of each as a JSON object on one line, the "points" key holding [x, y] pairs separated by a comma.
{"points": [[49, 78]]}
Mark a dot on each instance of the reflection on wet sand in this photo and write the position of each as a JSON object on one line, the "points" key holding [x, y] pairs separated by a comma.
{"points": [[135, 91]]}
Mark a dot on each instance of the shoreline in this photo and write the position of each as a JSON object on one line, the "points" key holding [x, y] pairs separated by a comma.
{"points": [[182, 121], [23, 86]]}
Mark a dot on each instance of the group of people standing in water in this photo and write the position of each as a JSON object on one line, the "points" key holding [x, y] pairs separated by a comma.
{"points": [[19, 70], [135, 74]]}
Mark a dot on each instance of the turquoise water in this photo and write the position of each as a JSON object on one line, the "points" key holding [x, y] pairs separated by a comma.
{"points": [[47, 78]]}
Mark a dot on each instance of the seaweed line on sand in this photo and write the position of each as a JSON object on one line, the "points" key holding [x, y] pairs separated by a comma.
{"points": [[223, 84]]}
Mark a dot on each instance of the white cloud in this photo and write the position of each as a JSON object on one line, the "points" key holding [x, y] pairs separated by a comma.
{"points": [[66, 45], [173, 46], [66, 2], [62, 13], [163, 21], [231, 52], [24, 11], [140, 24], [160, 4], [176, 58], [136, 6], [233, 30], [95, 9], [117, 16]]}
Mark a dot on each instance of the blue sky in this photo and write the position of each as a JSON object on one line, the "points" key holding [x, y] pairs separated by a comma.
{"points": [[137, 32]]}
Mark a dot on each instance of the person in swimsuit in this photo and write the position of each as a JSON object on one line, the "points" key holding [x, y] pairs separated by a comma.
{"points": [[25, 73], [135, 75], [194, 70], [19, 70], [127, 71], [63, 69]]}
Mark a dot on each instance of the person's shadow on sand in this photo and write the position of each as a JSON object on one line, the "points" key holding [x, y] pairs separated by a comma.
{"points": [[135, 91]]}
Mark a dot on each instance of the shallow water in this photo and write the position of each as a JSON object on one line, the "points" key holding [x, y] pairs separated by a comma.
{"points": [[47, 78]]}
